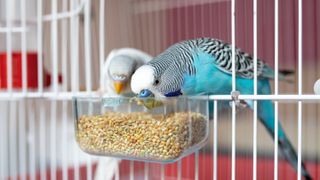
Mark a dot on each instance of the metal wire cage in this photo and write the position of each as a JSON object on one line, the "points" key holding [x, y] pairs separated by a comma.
{"points": [[54, 50]]}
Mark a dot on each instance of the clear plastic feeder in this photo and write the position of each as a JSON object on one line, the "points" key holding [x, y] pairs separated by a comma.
{"points": [[154, 130]]}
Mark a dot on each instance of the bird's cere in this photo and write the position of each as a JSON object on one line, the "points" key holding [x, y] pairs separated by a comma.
{"points": [[143, 78]]}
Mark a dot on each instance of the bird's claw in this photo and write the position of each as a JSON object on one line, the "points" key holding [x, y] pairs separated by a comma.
{"points": [[235, 98]]}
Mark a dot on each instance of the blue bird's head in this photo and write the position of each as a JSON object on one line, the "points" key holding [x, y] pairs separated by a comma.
{"points": [[145, 93]]}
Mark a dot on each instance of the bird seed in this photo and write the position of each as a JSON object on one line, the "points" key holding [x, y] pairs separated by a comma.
{"points": [[141, 135]]}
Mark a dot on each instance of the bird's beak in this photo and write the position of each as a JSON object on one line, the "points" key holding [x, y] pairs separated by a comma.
{"points": [[118, 86]]}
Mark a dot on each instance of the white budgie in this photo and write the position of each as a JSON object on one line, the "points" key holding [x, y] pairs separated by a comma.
{"points": [[118, 69]]}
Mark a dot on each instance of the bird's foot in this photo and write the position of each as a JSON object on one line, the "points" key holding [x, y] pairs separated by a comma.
{"points": [[241, 104], [235, 98]]}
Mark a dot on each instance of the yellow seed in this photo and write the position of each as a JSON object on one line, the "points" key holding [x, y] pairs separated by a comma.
{"points": [[140, 134]]}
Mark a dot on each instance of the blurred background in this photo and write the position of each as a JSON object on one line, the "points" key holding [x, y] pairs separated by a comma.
{"points": [[36, 132]]}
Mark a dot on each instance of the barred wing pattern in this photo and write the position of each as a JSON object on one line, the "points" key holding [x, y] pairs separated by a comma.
{"points": [[223, 54]]}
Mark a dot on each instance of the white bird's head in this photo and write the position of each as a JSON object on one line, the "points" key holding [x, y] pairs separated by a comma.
{"points": [[160, 77], [146, 82], [120, 71], [143, 81]]}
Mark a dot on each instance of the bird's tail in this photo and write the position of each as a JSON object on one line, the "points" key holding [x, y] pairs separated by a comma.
{"points": [[282, 75], [291, 156], [266, 115], [285, 72]]}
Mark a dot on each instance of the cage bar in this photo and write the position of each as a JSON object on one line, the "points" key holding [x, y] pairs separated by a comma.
{"points": [[4, 141], [53, 148], [299, 139], [9, 7], [117, 174], [54, 45], [89, 163], [22, 161], [74, 42], [76, 168], [13, 160], [162, 172], [87, 44], [215, 140], [299, 88], [32, 129], [233, 128], [179, 170], [64, 54], [42, 140], [276, 86], [64, 142], [68, 96], [39, 46], [89, 168], [68, 14], [24, 46], [146, 171], [196, 174], [101, 42], [131, 166], [255, 79], [12, 29]]}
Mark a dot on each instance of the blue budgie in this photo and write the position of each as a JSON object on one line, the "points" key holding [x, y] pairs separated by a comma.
{"points": [[204, 67]]}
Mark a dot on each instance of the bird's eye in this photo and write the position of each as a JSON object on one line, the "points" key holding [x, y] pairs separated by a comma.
{"points": [[145, 93], [156, 82]]}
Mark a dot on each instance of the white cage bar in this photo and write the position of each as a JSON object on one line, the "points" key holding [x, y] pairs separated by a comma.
{"points": [[233, 57], [24, 47], [9, 45], [276, 85], [22, 139], [68, 96], [299, 88], [54, 45], [39, 45], [255, 88]]}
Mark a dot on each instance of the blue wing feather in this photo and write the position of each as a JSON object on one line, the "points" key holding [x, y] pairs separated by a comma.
{"points": [[209, 79]]}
